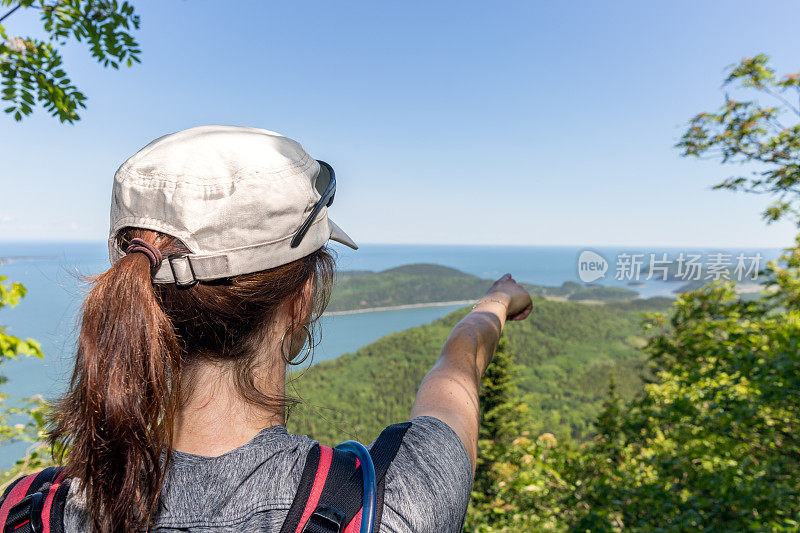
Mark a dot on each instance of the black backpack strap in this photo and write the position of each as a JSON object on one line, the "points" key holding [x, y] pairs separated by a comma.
{"points": [[27, 513], [347, 495], [48, 475], [341, 496], [58, 505], [385, 448], [332, 514], [303, 491], [382, 457]]}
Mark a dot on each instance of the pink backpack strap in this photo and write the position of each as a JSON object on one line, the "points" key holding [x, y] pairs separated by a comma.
{"points": [[323, 469], [355, 524], [15, 494], [27, 504], [312, 481], [53, 508]]}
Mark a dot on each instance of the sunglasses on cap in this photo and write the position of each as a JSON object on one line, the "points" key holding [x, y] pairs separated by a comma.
{"points": [[326, 187]]}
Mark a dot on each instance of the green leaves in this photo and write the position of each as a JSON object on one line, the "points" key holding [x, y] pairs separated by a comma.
{"points": [[31, 69], [26, 421], [11, 347], [33, 74], [766, 136], [711, 444], [516, 487]]}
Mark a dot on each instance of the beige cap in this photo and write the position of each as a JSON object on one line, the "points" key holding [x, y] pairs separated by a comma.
{"points": [[234, 196]]}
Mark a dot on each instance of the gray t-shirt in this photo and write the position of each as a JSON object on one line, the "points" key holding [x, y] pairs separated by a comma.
{"points": [[251, 488]]}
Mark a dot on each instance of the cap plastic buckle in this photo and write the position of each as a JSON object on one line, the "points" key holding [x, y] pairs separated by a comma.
{"points": [[325, 518], [180, 275]]}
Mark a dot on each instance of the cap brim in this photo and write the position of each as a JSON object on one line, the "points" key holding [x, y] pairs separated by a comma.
{"points": [[338, 235]]}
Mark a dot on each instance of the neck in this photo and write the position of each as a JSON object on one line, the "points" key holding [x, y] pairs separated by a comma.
{"points": [[214, 418]]}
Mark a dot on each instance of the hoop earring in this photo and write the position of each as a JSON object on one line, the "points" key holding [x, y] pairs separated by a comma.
{"points": [[293, 361]]}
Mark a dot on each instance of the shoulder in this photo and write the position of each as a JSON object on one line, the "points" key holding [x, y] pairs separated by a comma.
{"points": [[429, 482], [253, 484], [76, 517]]}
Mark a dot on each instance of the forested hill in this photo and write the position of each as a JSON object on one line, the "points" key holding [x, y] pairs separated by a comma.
{"points": [[427, 283], [567, 350]]}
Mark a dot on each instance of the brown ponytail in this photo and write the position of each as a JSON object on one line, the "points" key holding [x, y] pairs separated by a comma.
{"points": [[136, 340]]}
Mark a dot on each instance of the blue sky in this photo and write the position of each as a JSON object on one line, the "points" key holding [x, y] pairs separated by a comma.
{"points": [[447, 122]]}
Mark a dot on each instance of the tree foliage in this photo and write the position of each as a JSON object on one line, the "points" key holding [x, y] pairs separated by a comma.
{"points": [[564, 355], [409, 284], [425, 283], [764, 135], [511, 491], [711, 444], [32, 70], [26, 420]]}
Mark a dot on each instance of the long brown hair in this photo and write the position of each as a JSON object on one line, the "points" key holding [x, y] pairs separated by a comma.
{"points": [[136, 340]]}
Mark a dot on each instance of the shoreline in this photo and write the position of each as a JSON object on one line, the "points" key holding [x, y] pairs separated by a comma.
{"points": [[396, 307], [453, 302]]}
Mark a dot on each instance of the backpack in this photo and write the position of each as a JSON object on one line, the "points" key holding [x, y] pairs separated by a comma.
{"points": [[328, 498]]}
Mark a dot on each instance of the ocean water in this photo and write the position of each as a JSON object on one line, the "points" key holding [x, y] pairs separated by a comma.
{"points": [[54, 274]]}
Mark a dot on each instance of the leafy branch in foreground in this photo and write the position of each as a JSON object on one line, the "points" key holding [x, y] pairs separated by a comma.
{"points": [[30, 415], [516, 484], [31, 69], [764, 135]]}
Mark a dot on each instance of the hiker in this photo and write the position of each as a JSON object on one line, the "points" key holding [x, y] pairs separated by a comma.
{"points": [[175, 414]]}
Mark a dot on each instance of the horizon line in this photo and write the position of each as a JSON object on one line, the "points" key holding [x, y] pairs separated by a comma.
{"points": [[478, 244]]}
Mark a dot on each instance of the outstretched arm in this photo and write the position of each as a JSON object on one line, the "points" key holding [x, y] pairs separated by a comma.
{"points": [[450, 390]]}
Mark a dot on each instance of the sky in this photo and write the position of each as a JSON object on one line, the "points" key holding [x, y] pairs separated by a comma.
{"points": [[509, 123]]}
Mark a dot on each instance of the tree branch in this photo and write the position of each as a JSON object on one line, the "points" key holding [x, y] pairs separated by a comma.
{"points": [[4, 17], [782, 99]]}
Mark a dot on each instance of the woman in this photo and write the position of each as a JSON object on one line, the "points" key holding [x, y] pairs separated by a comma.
{"points": [[175, 414]]}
